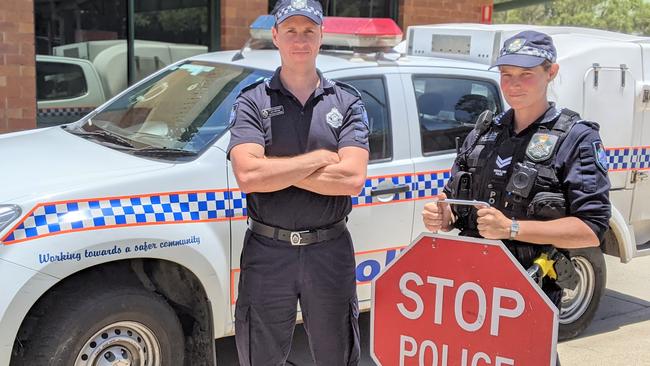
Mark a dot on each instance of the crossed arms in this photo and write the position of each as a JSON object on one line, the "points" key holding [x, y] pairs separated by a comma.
{"points": [[320, 171]]}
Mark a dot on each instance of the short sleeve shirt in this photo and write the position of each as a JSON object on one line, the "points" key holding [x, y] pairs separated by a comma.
{"points": [[266, 113]]}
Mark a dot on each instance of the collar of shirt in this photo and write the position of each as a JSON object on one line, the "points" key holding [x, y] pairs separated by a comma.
{"points": [[276, 84], [507, 117]]}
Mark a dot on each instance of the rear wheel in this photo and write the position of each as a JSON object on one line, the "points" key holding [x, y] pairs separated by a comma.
{"points": [[579, 305], [117, 326]]}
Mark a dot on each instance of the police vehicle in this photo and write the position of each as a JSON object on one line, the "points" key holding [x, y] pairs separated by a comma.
{"points": [[121, 233]]}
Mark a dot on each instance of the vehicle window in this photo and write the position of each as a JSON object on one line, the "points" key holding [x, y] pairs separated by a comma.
{"points": [[55, 81], [448, 108], [373, 94], [185, 107]]}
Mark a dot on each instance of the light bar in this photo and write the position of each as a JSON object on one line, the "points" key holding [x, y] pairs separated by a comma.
{"points": [[343, 31]]}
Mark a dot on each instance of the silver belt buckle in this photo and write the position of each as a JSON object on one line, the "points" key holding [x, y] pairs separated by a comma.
{"points": [[296, 237]]}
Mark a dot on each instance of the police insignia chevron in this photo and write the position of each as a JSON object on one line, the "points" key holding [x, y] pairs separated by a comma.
{"points": [[541, 147], [334, 118], [502, 163]]}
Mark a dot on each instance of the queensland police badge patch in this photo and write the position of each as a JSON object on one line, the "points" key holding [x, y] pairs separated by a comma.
{"points": [[541, 147], [334, 118], [233, 114], [299, 4], [601, 156]]}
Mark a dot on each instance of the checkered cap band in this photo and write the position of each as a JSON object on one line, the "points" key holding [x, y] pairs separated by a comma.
{"points": [[290, 9], [530, 51]]}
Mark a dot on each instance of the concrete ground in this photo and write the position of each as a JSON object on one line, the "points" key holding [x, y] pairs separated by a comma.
{"points": [[618, 336]]}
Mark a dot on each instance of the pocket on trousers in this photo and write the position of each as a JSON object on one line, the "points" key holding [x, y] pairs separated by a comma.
{"points": [[355, 346]]}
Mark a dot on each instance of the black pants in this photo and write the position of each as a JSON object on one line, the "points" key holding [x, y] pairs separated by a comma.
{"points": [[274, 277]]}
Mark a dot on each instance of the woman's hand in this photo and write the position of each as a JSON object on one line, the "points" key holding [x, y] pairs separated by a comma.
{"points": [[492, 224], [437, 215]]}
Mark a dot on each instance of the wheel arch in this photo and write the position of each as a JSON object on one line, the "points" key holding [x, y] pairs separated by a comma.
{"points": [[181, 288]]}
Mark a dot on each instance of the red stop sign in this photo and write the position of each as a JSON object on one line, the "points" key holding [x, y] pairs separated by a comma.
{"points": [[463, 302]]}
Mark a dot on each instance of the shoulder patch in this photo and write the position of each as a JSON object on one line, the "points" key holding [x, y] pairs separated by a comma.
{"points": [[348, 88], [233, 113], [601, 156]]}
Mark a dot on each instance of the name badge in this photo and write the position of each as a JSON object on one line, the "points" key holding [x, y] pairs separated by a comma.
{"points": [[272, 112]]}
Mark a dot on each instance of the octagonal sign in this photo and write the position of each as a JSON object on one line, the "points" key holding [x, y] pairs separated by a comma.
{"points": [[457, 301]]}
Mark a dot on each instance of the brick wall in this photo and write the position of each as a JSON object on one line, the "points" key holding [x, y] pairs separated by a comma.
{"points": [[236, 17], [416, 12], [17, 66]]}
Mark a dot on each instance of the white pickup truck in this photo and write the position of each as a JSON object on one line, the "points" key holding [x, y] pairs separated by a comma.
{"points": [[121, 233], [78, 77]]}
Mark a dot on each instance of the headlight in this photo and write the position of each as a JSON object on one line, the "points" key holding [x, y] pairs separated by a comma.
{"points": [[8, 213]]}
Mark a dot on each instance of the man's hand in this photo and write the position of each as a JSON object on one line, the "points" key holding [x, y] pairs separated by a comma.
{"points": [[492, 224], [437, 215], [326, 157]]}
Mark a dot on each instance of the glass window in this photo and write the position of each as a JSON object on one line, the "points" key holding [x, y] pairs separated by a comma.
{"points": [[166, 31], [59, 81], [184, 108], [448, 108], [373, 94]]}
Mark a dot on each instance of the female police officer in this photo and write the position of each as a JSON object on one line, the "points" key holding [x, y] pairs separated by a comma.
{"points": [[541, 168]]}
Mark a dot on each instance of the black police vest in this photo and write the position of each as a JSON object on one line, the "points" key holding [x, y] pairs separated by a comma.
{"points": [[516, 174]]}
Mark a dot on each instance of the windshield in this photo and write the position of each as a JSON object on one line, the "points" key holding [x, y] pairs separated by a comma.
{"points": [[184, 108]]}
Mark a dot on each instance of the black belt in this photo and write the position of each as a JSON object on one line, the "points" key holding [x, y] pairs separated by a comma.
{"points": [[305, 237]]}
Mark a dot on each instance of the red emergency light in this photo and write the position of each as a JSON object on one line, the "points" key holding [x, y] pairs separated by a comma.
{"points": [[343, 31]]}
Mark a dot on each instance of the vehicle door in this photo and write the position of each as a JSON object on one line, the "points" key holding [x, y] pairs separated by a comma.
{"points": [[442, 105], [380, 222]]}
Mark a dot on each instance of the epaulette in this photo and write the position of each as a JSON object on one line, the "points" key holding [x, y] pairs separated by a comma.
{"points": [[253, 85], [591, 124], [348, 88]]}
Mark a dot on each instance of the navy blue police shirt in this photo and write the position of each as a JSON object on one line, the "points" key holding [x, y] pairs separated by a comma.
{"points": [[580, 165], [266, 113]]}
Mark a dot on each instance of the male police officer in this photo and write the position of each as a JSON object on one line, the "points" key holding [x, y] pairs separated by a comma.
{"points": [[299, 148], [536, 163]]}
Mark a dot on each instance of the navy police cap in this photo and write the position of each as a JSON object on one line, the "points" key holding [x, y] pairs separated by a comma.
{"points": [[527, 49], [311, 9]]}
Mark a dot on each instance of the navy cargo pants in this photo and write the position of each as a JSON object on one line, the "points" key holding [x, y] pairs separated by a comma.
{"points": [[274, 277]]}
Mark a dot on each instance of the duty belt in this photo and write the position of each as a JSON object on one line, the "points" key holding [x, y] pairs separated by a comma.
{"points": [[305, 237]]}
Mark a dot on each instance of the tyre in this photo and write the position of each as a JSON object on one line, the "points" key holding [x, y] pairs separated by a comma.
{"points": [[114, 326], [579, 306]]}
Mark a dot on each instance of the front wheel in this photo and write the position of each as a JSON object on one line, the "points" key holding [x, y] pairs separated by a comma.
{"points": [[579, 305], [118, 326]]}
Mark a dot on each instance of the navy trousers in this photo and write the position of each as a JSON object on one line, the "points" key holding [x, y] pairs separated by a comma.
{"points": [[276, 276]]}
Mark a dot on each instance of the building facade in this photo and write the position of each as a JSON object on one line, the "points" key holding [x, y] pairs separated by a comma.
{"points": [[121, 35]]}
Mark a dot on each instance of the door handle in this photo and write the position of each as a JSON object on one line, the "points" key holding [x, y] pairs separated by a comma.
{"points": [[391, 190]]}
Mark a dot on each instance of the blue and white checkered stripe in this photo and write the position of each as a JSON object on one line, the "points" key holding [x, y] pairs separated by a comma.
{"points": [[64, 217], [238, 204], [430, 183], [64, 112], [619, 159], [642, 157], [365, 198], [531, 51]]}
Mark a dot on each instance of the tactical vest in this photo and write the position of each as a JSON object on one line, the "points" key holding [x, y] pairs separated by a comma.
{"points": [[516, 175]]}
